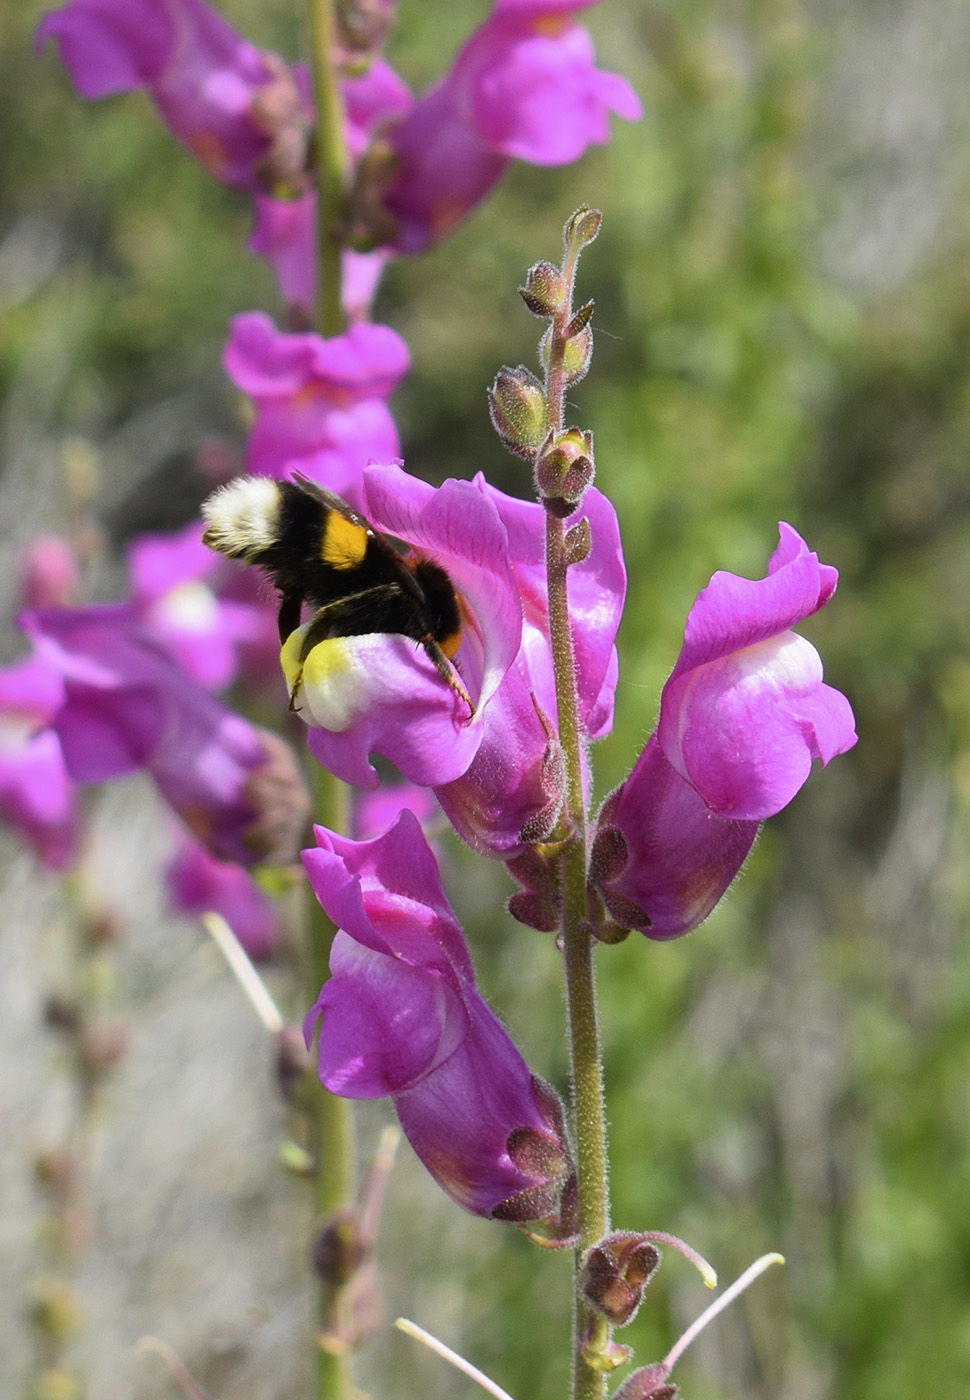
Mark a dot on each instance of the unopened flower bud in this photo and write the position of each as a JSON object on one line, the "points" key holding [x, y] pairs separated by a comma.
{"points": [[545, 290], [582, 227], [518, 409], [615, 1274], [564, 470]]}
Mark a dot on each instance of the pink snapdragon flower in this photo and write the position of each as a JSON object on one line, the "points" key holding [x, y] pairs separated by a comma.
{"points": [[401, 1016], [511, 786], [320, 404], [127, 706], [742, 716], [197, 883], [523, 87], [239, 111], [36, 795], [380, 692], [176, 593]]}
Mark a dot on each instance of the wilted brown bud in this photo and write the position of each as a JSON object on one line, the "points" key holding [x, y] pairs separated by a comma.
{"points": [[279, 794], [278, 110], [649, 1383], [338, 1251], [615, 1273], [518, 409]]}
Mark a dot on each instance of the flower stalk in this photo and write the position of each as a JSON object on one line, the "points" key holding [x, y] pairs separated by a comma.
{"points": [[591, 1333], [330, 162], [332, 1128]]}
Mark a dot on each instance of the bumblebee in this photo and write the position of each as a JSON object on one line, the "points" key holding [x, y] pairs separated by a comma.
{"points": [[320, 552]]}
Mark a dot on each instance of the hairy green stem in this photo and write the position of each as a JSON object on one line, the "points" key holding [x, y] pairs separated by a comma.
{"points": [[331, 1117], [331, 164], [583, 1030]]}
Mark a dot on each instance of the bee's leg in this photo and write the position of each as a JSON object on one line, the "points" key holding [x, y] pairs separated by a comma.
{"points": [[331, 620], [446, 669], [288, 617]]}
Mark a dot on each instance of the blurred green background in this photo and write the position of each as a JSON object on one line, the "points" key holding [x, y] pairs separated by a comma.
{"points": [[783, 317]]}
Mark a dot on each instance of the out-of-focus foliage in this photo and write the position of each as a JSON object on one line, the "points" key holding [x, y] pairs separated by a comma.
{"points": [[796, 1074]]}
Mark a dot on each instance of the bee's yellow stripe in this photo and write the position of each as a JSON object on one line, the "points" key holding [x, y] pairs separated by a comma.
{"points": [[342, 544], [450, 644]]}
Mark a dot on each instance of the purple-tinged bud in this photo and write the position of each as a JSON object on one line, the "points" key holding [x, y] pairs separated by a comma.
{"points": [[649, 1383], [581, 228], [564, 470], [546, 291], [615, 1274], [519, 412]]}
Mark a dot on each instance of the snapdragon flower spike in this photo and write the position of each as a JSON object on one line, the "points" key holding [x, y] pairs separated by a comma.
{"points": [[198, 883], [401, 1016], [380, 692], [523, 87], [37, 796], [127, 707], [239, 111], [320, 404], [498, 804], [742, 716], [175, 591]]}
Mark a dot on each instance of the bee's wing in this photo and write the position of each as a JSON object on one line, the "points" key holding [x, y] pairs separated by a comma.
{"points": [[396, 562], [332, 502]]}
